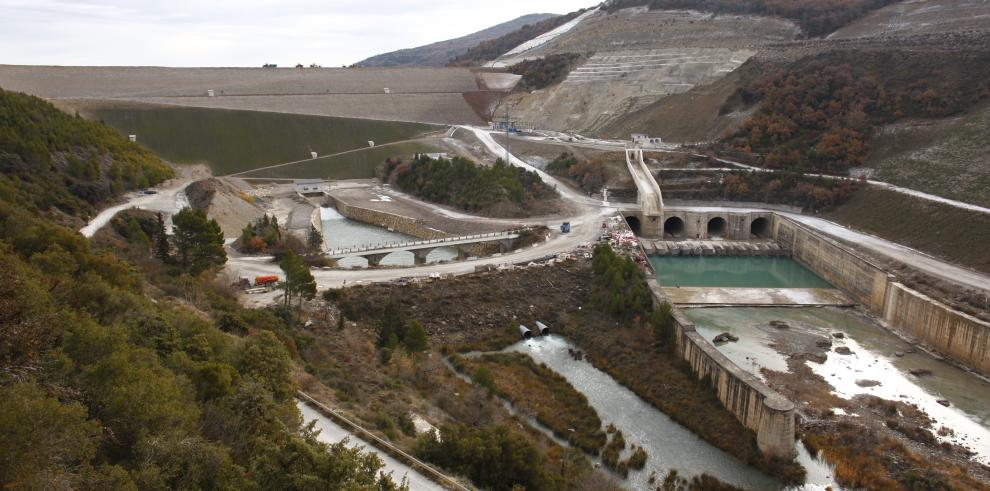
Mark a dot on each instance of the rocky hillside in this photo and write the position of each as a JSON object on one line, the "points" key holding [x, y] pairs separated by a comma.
{"points": [[440, 53]]}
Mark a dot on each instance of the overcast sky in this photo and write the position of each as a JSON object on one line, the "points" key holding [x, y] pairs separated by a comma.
{"points": [[240, 32]]}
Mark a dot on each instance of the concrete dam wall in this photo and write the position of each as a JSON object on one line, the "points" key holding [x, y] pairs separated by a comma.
{"points": [[960, 337], [758, 407]]}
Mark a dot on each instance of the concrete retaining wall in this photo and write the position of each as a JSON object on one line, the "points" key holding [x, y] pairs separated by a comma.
{"points": [[406, 225], [419, 466], [391, 221], [758, 407], [960, 337], [957, 335]]}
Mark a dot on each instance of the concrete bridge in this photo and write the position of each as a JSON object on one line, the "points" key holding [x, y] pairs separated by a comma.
{"points": [[420, 249]]}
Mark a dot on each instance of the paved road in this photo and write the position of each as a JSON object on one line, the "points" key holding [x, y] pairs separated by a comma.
{"points": [[586, 226], [169, 198]]}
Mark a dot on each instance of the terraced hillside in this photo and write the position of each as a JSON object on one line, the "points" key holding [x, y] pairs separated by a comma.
{"points": [[640, 57], [430, 95]]}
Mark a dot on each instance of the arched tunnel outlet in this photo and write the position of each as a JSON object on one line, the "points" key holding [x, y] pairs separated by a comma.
{"points": [[717, 227], [673, 227], [760, 228], [634, 224]]}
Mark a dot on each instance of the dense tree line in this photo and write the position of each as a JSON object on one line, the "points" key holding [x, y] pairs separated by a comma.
{"points": [[51, 160], [460, 183], [787, 188], [493, 48], [590, 175], [621, 284], [816, 17], [544, 72], [119, 371], [818, 113], [493, 457], [621, 289]]}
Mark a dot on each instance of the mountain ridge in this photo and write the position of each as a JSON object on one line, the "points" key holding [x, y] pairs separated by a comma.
{"points": [[438, 54]]}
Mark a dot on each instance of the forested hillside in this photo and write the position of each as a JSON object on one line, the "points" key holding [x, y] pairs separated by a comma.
{"points": [[816, 17], [459, 182], [493, 48], [440, 53], [819, 113], [51, 160], [123, 364]]}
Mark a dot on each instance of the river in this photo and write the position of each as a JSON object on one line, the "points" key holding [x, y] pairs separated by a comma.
{"points": [[668, 444], [340, 232]]}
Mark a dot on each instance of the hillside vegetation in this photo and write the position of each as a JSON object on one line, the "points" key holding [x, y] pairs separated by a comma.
{"points": [[440, 53], [544, 72], [958, 235], [121, 371], [460, 183], [818, 114], [816, 17], [50, 160], [493, 48]]}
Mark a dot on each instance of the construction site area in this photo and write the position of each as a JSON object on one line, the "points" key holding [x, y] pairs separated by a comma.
{"points": [[660, 262]]}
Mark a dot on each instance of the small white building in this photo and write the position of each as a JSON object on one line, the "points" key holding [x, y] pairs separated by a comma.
{"points": [[132, 138], [437, 156], [309, 186], [210, 93], [313, 155], [645, 140]]}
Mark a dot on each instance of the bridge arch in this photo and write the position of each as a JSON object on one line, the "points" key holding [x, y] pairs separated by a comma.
{"points": [[717, 227], [673, 227], [760, 228]]}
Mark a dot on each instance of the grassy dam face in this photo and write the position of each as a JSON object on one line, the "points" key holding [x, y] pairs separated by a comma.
{"points": [[237, 141]]}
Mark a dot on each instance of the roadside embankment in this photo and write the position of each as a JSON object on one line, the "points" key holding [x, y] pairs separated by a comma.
{"points": [[382, 445]]}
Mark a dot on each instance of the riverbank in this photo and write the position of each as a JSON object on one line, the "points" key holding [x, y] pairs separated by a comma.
{"points": [[476, 313]]}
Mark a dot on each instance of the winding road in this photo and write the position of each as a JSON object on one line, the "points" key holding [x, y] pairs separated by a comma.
{"points": [[586, 222]]}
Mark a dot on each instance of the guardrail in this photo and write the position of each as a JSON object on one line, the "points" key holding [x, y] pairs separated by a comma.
{"points": [[417, 465], [445, 240]]}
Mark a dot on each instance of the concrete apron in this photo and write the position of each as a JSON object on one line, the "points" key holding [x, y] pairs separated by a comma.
{"points": [[756, 297]]}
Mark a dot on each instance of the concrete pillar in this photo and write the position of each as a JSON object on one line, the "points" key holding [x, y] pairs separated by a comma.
{"points": [[419, 255], [463, 252], [374, 259]]}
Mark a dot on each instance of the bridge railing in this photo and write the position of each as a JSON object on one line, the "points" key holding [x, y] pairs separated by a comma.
{"points": [[405, 245]]}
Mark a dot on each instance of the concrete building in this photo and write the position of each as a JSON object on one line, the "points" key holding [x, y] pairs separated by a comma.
{"points": [[646, 141], [309, 186]]}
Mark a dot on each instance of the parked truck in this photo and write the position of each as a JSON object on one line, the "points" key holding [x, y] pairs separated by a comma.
{"points": [[266, 281]]}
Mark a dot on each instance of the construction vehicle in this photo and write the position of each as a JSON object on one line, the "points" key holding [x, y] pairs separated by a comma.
{"points": [[266, 281]]}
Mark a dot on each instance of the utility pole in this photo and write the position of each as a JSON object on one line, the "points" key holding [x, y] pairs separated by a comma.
{"points": [[508, 157]]}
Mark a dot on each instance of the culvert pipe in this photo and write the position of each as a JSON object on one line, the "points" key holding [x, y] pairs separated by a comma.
{"points": [[525, 332], [542, 329]]}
